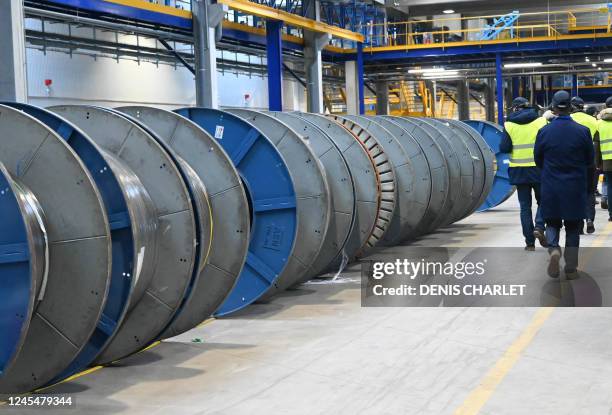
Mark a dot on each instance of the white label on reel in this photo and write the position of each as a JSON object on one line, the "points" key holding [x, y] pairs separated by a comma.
{"points": [[219, 132]]}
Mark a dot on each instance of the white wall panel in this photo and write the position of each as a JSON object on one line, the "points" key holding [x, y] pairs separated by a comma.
{"points": [[104, 81]]}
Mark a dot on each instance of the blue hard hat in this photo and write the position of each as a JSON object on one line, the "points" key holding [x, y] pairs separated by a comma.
{"points": [[561, 100]]}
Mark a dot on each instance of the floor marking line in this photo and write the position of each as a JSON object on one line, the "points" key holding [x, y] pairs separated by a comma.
{"points": [[489, 383], [479, 396], [206, 322]]}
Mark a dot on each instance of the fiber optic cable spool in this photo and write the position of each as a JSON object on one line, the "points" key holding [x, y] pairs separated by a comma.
{"points": [[387, 181], [422, 183], [438, 168], [311, 192], [270, 191], [228, 203], [133, 226], [356, 188], [47, 175], [502, 190], [175, 247], [400, 227]]}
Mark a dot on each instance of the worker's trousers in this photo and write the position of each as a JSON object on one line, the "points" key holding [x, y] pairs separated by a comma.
{"points": [[607, 183], [572, 240], [593, 177], [526, 202]]}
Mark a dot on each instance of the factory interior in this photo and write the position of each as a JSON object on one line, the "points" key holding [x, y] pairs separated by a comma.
{"points": [[304, 207]]}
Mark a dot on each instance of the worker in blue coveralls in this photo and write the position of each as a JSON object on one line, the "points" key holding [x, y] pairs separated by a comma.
{"points": [[564, 151], [520, 131]]}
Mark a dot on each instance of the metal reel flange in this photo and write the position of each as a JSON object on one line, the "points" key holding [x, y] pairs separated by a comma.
{"points": [[175, 248], [365, 184], [133, 228], [488, 158], [23, 257], [462, 154], [228, 205], [79, 243], [454, 169], [199, 205], [270, 191], [386, 176], [342, 192], [311, 192], [438, 167], [400, 227], [482, 161], [422, 183], [502, 190]]}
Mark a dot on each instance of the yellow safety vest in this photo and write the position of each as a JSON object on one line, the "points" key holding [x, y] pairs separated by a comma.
{"points": [[586, 120], [523, 141], [605, 139]]}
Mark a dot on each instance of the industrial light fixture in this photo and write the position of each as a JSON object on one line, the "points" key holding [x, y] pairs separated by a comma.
{"points": [[609, 60], [427, 70], [523, 65], [594, 64], [441, 75], [448, 11], [587, 59]]}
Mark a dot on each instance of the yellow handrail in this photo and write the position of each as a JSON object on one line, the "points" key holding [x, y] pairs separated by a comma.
{"points": [[529, 25]]}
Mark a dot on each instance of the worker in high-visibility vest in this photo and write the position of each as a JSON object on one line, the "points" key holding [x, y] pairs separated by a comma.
{"points": [[520, 131], [581, 117], [605, 148], [564, 151]]}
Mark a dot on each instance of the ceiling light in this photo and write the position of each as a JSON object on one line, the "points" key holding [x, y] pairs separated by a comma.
{"points": [[523, 65], [428, 70], [594, 64], [599, 68], [448, 11], [440, 75], [609, 60], [587, 59]]}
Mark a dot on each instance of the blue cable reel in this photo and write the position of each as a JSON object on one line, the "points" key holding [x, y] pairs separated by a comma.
{"points": [[502, 189], [18, 285], [123, 257], [272, 202]]}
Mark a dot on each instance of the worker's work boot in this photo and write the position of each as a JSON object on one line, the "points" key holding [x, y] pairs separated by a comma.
{"points": [[553, 265], [572, 274], [541, 237], [604, 204], [590, 226], [530, 248]]}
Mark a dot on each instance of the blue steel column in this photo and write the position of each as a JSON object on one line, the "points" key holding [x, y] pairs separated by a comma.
{"points": [[360, 77], [575, 85], [274, 56], [500, 88]]}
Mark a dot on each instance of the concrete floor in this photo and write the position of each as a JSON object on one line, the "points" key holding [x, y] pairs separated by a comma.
{"points": [[315, 350]]}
